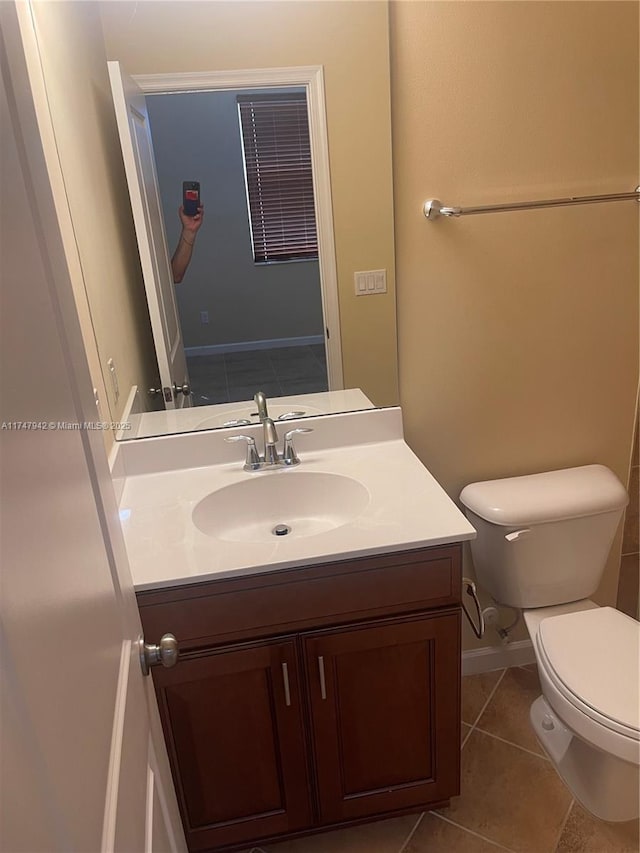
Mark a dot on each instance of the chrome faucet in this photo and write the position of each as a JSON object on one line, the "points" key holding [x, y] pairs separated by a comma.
{"points": [[271, 457], [261, 402], [260, 399]]}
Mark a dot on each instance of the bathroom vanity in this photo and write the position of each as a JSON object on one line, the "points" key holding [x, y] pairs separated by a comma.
{"points": [[311, 696], [318, 682]]}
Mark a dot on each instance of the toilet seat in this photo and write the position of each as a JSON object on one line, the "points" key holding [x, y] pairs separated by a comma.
{"points": [[589, 667]]}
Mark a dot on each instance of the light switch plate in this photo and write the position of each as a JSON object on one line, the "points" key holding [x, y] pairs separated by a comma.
{"points": [[369, 282]]}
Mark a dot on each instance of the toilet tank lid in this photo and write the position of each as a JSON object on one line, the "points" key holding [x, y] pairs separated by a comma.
{"points": [[551, 496]]}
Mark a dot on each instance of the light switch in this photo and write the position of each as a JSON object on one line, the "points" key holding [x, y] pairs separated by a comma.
{"points": [[370, 282], [360, 280]]}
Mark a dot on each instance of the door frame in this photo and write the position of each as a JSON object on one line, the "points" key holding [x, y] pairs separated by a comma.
{"points": [[311, 78]]}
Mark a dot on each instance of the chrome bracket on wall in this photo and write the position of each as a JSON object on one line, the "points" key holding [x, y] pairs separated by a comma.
{"points": [[471, 590]]}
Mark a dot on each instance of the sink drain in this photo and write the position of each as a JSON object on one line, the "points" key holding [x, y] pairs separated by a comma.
{"points": [[281, 530]]}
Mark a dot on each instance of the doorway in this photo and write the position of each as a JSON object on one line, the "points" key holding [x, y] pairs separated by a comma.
{"points": [[247, 323]]}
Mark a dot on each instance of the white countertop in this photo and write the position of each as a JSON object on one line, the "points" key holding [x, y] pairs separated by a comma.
{"points": [[407, 509]]}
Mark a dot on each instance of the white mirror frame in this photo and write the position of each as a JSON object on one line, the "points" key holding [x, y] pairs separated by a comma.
{"points": [[310, 77]]}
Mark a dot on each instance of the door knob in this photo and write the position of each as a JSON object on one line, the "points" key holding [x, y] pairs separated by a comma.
{"points": [[165, 653], [181, 389], [166, 393]]}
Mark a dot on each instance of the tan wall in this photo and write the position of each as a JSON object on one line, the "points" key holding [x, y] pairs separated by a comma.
{"points": [[350, 39], [74, 62], [518, 332]]}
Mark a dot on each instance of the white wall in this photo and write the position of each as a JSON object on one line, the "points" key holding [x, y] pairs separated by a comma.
{"points": [[196, 136]]}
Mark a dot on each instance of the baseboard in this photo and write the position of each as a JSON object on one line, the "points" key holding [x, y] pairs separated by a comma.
{"points": [[489, 658], [245, 346]]}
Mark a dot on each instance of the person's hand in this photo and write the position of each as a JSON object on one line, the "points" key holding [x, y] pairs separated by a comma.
{"points": [[191, 224]]}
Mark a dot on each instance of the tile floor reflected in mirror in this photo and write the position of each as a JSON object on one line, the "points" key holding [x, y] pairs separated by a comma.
{"points": [[511, 799], [234, 376]]}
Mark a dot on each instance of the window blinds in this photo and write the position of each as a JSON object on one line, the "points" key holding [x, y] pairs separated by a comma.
{"points": [[277, 156]]}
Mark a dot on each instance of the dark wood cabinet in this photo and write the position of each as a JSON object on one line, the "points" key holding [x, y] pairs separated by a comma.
{"points": [[233, 721], [384, 715], [311, 697]]}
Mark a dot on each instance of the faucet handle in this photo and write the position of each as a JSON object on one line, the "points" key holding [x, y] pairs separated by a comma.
{"points": [[237, 423], [289, 456], [252, 462], [290, 416]]}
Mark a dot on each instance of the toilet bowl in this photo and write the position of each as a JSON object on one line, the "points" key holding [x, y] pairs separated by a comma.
{"points": [[542, 544], [588, 718]]}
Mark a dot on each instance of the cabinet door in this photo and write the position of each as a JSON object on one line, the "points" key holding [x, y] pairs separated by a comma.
{"points": [[385, 704], [233, 725]]}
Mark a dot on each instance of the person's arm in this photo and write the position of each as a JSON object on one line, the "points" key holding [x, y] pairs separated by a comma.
{"points": [[182, 255]]}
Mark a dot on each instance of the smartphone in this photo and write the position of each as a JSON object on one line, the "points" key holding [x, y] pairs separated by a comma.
{"points": [[190, 197]]}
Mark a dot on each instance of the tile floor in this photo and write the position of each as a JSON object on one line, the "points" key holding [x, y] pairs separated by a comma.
{"points": [[511, 797], [230, 377]]}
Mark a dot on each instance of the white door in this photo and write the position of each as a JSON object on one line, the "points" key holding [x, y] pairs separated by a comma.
{"points": [[83, 765], [137, 152]]}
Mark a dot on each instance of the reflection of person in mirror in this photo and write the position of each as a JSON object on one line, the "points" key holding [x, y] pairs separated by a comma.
{"points": [[182, 255]]}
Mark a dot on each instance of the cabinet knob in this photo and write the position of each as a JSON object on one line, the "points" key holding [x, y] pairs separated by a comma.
{"points": [[165, 653]]}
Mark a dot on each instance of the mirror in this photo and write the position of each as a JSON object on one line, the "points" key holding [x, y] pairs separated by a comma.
{"points": [[352, 47]]}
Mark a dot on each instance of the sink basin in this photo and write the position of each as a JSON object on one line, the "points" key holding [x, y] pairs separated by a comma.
{"points": [[284, 504]]}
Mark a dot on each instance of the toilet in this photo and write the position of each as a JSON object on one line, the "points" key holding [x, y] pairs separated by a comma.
{"points": [[542, 544]]}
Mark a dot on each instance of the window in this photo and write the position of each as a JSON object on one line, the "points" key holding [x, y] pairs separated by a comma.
{"points": [[277, 158]]}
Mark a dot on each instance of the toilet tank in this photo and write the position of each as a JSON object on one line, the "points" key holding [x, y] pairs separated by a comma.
{"points": [[544, 539]]}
